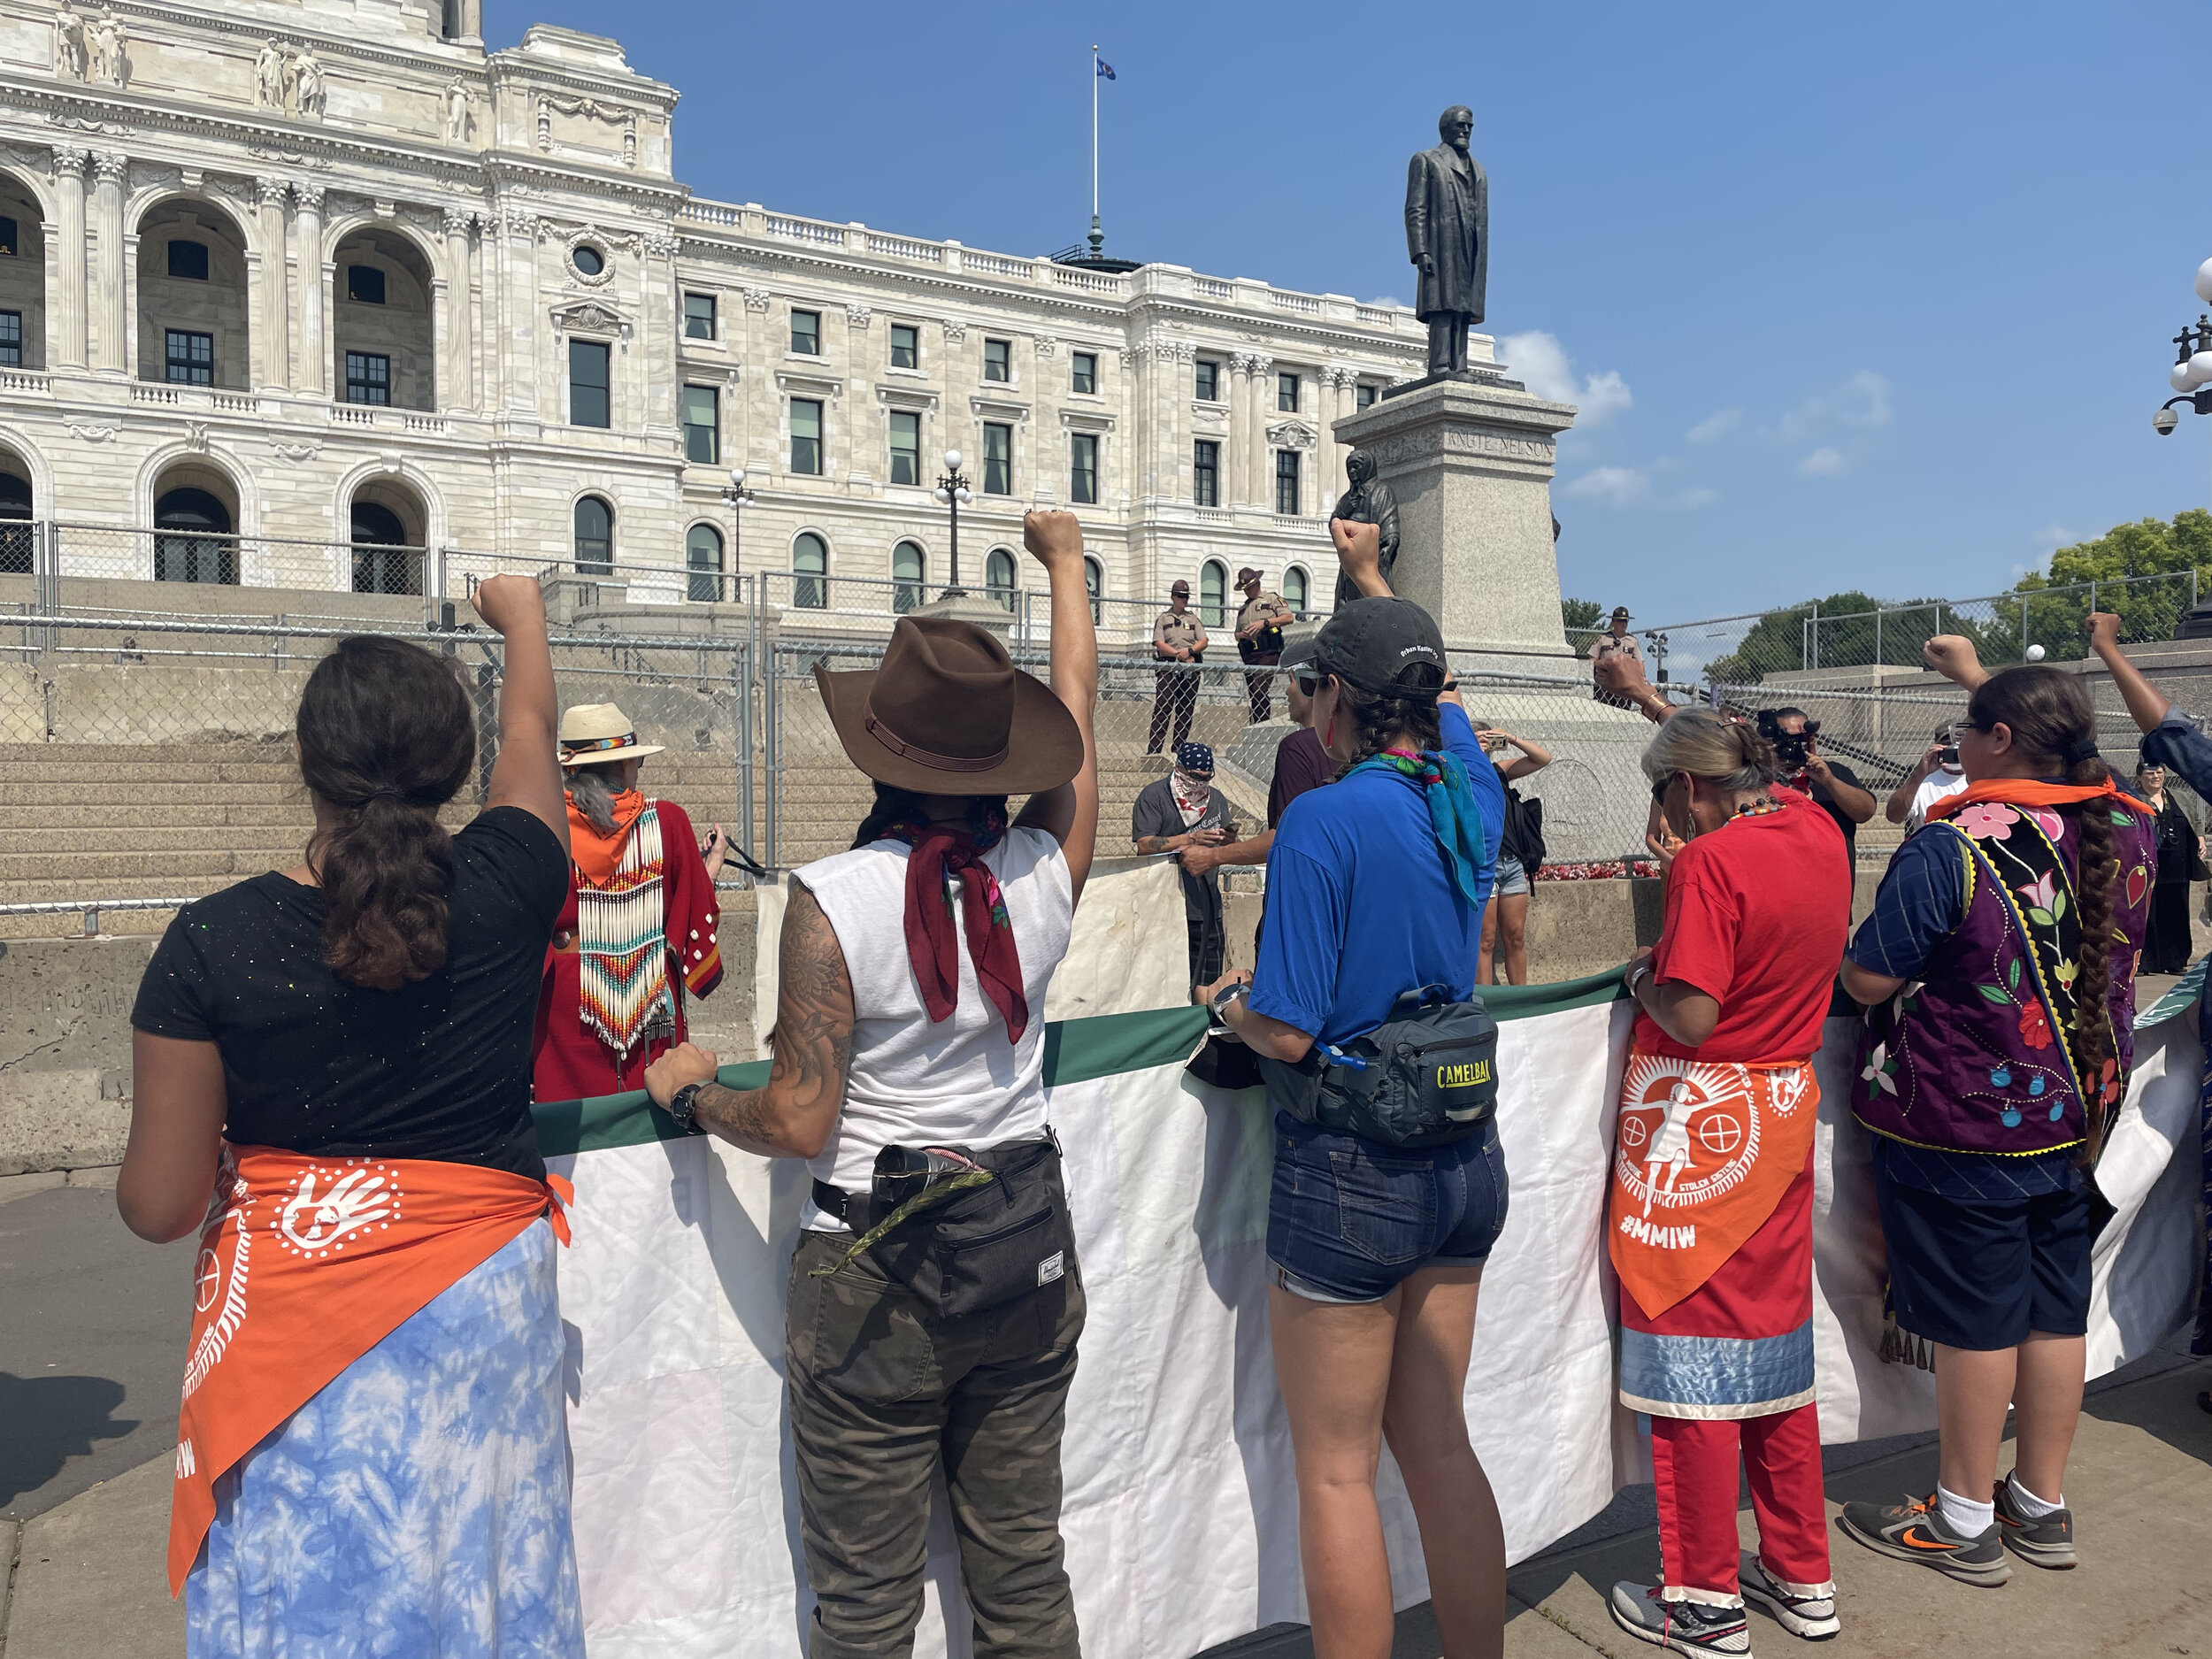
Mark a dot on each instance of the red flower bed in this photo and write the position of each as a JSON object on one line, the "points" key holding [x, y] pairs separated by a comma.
{"points": [[1604, 870]]}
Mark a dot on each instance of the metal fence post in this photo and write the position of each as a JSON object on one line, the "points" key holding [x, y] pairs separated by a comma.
{"points": [[771, 757], [1878, 658], [742, 675]]}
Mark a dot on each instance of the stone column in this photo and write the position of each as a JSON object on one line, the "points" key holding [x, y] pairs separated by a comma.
{"points": [[273, 315], [111, 351], [65, 319], [517, 365], [1470, 463], [314, 349], [1232, 462], [455, 391], [1259, 487]]}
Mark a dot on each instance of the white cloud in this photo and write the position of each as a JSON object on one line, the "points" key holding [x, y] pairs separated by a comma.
{"points": [[1542, 364], [1821, 463], [1690, 498], [2052, 537], [1616, 486], [1860, 402], [1715, 425]]}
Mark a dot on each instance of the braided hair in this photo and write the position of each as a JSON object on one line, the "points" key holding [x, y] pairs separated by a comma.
{"points": [[1382, 719]]}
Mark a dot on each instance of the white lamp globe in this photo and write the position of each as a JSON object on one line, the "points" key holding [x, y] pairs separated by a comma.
{"points": [[737, 477], [965, 497], [2200, 368], [2035, 653], [940, 497], [952, 460], [2181, 379], [2204, 281]]}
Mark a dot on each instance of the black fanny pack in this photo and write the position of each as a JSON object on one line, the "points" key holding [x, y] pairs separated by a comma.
{"points": [[1425, 1077], [963, 1228]]}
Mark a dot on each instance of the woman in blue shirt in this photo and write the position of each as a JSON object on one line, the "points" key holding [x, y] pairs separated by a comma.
{"points": [[1375, 887]]}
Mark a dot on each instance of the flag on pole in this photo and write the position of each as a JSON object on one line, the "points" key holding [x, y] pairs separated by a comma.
{"points": [[1107, 70]]}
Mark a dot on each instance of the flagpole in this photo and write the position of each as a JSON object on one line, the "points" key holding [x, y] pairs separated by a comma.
{"points": [[1094, 135]]}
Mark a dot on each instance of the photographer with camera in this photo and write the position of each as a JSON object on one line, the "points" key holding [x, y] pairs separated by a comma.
{"points": [[1833, 787], [1939, 774]]}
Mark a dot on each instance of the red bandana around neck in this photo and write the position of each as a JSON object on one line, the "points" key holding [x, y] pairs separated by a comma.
{"points": [[940, 851]]}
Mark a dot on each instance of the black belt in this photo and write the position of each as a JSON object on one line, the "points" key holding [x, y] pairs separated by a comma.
{"points": [[831, 1201]]}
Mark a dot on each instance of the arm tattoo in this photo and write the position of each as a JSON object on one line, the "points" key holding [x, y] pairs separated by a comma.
{"points": [[813, 1042]]}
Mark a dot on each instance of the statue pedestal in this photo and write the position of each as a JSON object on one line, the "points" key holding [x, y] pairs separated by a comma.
{"points": [[987, 614], [1470, 463]]}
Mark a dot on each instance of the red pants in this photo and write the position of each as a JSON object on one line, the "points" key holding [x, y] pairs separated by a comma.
{"points": [[1696, 1462]]}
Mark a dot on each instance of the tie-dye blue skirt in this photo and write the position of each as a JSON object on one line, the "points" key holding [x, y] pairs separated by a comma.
{"points": [[416, 1506]]}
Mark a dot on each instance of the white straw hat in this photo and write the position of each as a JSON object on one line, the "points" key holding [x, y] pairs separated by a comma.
{"points": [[596, 733]]}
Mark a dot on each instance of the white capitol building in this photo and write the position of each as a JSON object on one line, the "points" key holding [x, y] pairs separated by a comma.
{"points": [[289, 280]]}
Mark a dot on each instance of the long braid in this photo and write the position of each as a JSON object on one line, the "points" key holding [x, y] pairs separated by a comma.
{"points": [[2098, 865], [1380, 720]]}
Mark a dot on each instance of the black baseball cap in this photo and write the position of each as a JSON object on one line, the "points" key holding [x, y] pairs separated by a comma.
{"points": [[1370, 643]]}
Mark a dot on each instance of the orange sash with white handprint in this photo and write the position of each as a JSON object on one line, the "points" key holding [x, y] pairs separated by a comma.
{"points": [[1703, 1152], [305, 1264]]}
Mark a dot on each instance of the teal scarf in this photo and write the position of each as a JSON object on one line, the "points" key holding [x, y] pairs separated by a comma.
{"points": [[1453, 814]]}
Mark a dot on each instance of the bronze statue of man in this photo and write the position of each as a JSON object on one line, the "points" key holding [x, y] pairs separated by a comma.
{"points": [[1368, 501], [1447, 235]]}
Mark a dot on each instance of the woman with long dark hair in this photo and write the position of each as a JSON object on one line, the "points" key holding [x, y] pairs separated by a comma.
{"points": [[1375, 887], [372, 1456], [1998, 973], [935, 1298], [2167, 944]]}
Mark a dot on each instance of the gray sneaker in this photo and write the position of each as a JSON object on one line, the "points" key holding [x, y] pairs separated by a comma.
{"points": [[1916, 1531], [1644, 1612], [1811, 1617], [2046, 1541]]}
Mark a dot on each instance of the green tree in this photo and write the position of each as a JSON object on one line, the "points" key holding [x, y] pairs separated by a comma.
{"points": [[1583, 614], [1841, 631], [2147, 573]]}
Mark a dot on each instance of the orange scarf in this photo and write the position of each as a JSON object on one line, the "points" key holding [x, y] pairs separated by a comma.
{"points": [[307, 1264], [2028, 792], [1702, 1153], [598, 856]]}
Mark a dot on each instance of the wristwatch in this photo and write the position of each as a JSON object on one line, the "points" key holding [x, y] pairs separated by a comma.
{"points": [[1225, 996], [683, 1104]]}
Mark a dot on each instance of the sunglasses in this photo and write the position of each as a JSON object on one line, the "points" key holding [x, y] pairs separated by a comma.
{"points": [[1660, 787], [1306, 684]]}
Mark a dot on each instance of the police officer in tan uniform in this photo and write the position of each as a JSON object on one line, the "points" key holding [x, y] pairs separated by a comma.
{"points": [[1177, 637], [1260, 625]]}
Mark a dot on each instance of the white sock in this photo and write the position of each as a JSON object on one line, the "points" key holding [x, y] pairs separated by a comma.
{"points": [[1963, 1516], [2032, 1506]]}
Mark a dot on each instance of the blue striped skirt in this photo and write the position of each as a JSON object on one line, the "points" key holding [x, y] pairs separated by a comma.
{"points": [[418, 1505]]}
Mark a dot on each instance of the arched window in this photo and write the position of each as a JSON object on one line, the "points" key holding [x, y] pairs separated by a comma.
{"points": [[907, 570], [382, 563], [810, 563], [702, 554], [15, 525], [998, 576], [595, 537], [1213, 593], [1094, 584], [1296, 589], [202, 549]]}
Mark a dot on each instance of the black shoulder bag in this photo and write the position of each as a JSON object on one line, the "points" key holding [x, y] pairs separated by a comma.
{"points": [[1425, 1077]]}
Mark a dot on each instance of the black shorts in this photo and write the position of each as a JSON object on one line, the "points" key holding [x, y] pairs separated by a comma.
{"points": [[1981, 1273]]}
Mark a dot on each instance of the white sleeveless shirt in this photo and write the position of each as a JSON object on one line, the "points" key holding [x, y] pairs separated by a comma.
{"points": [[914, 1080]]}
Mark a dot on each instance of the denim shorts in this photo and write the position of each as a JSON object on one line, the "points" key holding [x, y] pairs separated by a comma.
{"points": [[1512, 877], [1349, 1218]]}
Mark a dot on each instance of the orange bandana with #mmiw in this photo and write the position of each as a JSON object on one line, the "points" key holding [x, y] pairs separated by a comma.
{"points": [[307, 1263], [1703, 1153]]}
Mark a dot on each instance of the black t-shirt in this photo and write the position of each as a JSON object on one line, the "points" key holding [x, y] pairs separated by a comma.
{"points": [[1827, 803], [439, 1069]]}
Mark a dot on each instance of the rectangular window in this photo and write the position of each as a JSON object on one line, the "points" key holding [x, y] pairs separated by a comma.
{"points": [[1085, 376], [703, 425], [1209, 380], [11, 339], [1287, 392], [998, 360], [189, 260], [906, 447], [588, 402], [1287, 480], [698, 316], [906, 346], [1205, 472], [1363, 396], [364, 283], [1083, 468], [9, 245], [806, 333], [806, 434], [998, 459], [368, 378], [190, 358]]}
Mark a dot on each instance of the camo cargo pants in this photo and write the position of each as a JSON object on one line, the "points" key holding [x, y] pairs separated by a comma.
{"points": [[883, 1395]]}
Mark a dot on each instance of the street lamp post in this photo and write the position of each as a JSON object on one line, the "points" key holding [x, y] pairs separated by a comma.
{"points": [[952, 491], [2191, 372], [740, 498]]}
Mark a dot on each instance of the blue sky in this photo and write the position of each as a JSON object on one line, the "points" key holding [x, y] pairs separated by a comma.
{"points": [[1873, 296]]}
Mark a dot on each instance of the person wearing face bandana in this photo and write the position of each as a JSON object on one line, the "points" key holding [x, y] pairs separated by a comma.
{"points": [[1174, 814]]}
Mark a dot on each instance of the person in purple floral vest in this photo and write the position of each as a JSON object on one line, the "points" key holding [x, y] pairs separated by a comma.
{"points": [[1998, 973]]}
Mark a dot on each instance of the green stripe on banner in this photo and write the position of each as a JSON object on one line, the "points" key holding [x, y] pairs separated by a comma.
{"points": [[1076, 1051]]}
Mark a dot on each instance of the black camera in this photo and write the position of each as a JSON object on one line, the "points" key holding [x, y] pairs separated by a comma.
{"points": [[1791, 749]]}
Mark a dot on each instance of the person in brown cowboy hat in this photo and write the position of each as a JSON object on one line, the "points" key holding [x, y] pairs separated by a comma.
{"points": [[638, 933], [1178, 641], [908, 1070], [1260, 624]]}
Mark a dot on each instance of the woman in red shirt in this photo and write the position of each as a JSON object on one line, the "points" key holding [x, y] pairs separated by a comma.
{"points": [[1710, 1224]]}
